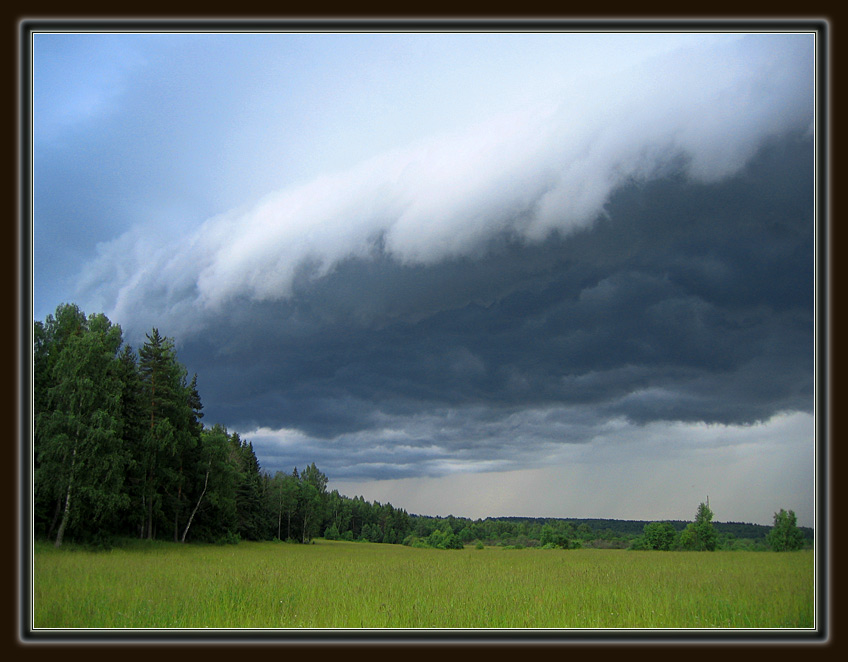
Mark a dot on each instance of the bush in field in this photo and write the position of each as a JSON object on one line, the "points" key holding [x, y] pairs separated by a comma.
{"points": [[229, 538], [549, 537], [331, 532], [639, 544], [444, 540], [436, 540], [700, 535], [785, 536], [479, 545], [659, 535]]}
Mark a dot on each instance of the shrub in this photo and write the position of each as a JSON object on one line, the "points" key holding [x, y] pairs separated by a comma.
{"points": [[331, 533], [785, 535], [659, 535], [229, 538], [444, 540]]}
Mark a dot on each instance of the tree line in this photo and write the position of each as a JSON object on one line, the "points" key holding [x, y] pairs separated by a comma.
{"points": [[120, 451], [702, 535]]}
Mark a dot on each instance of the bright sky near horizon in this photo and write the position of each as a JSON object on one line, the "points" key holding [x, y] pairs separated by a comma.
{"points": [[558, 274]]}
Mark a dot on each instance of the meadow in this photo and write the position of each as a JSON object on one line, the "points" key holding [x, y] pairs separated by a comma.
{"points": [[333, 584]]}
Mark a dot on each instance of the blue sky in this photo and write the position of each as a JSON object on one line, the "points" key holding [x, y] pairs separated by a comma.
{"points": [[487, 274]]}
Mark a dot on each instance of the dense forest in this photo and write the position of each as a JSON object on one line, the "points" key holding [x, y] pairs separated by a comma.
{"points": [[119, 451]]}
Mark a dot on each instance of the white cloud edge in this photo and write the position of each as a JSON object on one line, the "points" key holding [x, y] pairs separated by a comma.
{"points": [[541, 170]]}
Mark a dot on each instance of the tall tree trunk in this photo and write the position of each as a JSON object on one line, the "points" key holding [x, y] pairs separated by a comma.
{"points": [[179, 504], [65, 516], [306, 519], [56, 514], [152, 484], [150, 518], [143, 513], [153, 467], [280, 516], [205, 483]]}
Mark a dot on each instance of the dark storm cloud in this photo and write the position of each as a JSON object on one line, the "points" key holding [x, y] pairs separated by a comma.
{"points": [[685, 302], [634, 246]]}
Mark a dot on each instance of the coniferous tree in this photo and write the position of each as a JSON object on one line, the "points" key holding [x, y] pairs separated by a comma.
{"points": [[249, 494], [169, 432], [133, 415], [188, 456]]}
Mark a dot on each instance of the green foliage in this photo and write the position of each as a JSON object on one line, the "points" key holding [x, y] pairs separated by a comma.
{"points": [[169, 443], [700, 535], [444, 539], [311, 502], [660, 535], [80, 460], [639, 543], [466, 534], [785, 535], [331, 532], [228, 538], [551, 538], [370, 533], [253, 520], [217, 514]]}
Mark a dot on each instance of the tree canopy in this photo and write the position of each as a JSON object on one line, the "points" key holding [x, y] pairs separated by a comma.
{"points": [[700, 535], [785, 536]]}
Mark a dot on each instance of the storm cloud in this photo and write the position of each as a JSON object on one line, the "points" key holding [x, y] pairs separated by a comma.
{"points": [[546, 170], [626, 253], [687, 302]]}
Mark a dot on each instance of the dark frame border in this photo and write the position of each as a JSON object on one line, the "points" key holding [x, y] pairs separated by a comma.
{"points": [[820, 635]]}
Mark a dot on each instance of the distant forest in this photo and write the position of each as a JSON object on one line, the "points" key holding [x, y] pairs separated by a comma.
{"points": [[120, 452], [619, 527]]}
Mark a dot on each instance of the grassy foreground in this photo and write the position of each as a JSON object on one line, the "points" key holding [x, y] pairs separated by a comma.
{"points": [[356, 585]]}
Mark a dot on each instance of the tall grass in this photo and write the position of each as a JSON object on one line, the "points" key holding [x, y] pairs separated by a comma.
{"points": [[355, 585]]}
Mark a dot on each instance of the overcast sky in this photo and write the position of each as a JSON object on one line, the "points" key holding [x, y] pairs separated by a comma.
{"points": [[562, 275]]}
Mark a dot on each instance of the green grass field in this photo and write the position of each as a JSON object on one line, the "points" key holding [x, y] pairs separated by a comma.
{"points": [[357, 585]]}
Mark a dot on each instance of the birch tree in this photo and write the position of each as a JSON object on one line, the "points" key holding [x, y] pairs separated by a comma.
{"points": [[79, 452]]}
